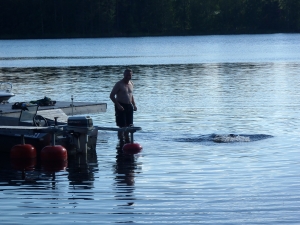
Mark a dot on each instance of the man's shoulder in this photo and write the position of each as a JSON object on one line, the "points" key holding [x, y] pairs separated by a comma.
{"points": [[118, 82]]}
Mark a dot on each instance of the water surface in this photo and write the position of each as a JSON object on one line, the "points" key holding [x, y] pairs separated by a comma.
{"points": [[184, 96], [150, 50]]}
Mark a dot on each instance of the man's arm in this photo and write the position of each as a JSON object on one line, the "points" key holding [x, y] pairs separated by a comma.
{"points": [[133, 103], [113, 98]]}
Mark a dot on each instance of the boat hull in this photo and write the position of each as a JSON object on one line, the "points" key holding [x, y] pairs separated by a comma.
{"points": [[38, 140], [5, 97]]}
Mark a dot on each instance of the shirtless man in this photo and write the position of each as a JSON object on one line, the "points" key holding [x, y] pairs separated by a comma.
{"points": [[122, 97]]}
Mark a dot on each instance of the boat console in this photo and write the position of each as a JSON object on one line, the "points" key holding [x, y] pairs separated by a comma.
{"points": [[5, 92]]}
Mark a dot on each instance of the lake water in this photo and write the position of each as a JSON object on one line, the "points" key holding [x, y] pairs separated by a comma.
{"points": [[187, 89]]}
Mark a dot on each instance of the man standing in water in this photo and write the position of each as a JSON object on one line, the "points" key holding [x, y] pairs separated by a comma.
{"points": [[122, 97]]}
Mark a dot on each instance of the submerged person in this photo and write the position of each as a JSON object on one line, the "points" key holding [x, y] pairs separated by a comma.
{"points": [[122, 97]]}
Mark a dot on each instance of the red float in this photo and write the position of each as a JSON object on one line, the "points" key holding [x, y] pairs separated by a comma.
{"points": [[23, 157], [23, 151], [26, 164], [54, 153], [132, 148], [54, 165], [54, 158]]}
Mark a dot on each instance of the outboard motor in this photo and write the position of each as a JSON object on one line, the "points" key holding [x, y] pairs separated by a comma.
{"points": [[80, 126]]}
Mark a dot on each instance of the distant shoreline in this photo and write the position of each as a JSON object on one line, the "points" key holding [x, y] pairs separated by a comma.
{"points": [[133, 36]]}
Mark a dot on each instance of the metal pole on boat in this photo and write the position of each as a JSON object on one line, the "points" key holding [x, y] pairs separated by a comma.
{"points": [[53, 132], [22, 139], [72, 104], [131, 133], [131, 139]]}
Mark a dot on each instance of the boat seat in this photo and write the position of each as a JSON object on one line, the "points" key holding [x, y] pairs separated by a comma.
{"points": [[27, 115]]}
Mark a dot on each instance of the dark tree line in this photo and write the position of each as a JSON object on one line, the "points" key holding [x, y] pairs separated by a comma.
{"points": [[112, 18]]}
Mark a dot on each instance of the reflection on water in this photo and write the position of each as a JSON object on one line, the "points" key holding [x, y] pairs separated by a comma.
{"points": [[125, 170], [80, 171]]}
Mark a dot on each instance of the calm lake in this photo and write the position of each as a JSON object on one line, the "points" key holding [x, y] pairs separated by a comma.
{"points": [[187, 90]]}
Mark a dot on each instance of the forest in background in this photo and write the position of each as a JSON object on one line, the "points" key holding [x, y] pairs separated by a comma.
{"points": [[127, 18]]}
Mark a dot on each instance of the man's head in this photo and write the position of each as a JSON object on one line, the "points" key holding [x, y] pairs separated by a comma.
{"points": [[128, 74]]}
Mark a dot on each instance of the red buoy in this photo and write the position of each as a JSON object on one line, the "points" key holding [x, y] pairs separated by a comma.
{"points": [[54, 153], [54, 158], [54, 165], [132, 148], [23, 151], [23, 164], [23, 157]]}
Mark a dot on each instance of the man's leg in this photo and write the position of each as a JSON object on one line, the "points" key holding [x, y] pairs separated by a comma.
{"points": [[121, 135], [126, 136], [120, 121], [129, 122]]}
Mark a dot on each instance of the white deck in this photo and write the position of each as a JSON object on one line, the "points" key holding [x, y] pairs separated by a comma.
{"points": [[78, 108]]}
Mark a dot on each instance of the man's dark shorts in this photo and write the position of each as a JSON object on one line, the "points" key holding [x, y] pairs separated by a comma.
{"points": [[124, 118]]}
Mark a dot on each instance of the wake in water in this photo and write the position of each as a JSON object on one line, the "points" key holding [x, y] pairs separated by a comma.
{"points": [[230, 138], [226, 138]]}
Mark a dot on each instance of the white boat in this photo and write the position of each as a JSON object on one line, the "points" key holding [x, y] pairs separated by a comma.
{"points": [[59, 124], [37, 125], [5, 92]]}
